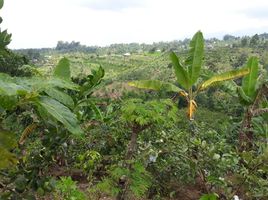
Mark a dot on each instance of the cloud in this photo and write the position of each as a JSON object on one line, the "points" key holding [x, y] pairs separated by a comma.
{"points": [[39, 23], [257, 12], [111, 5]]}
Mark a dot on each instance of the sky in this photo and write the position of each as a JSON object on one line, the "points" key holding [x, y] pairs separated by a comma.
{"points": [[42, 23]]}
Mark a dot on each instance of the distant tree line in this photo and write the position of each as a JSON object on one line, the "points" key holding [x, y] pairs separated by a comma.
{"points": [[257, 40], [74, 46]]}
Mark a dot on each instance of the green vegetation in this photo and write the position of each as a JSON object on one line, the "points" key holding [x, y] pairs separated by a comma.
{"points": [[71, 127], [187, 76]]}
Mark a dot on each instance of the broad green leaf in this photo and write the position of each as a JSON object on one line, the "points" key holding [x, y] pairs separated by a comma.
{"points": [[61, 113], [8, 85], [234, 74], [195, 57], [61, 83], [244, 99], [60, 96], [155, 85], [250, 80], [19, 85], [62, 69], [92, 105], [181, 73], [1, 4], [37, 84], [96, 75], [93, 80], [9, 89], [97, 111]]}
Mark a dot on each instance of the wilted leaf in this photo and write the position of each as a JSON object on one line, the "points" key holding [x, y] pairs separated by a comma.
{"points": [[192, 106], [234, 74], [155, 85], [27, 131]]}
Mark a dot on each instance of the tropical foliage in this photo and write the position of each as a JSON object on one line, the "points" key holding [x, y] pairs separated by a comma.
{"points": [[72, 128], [188, 73]]}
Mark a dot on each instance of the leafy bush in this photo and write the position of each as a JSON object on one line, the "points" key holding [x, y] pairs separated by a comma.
{"points": [[139, 181], [12, 64], [66, 189]]}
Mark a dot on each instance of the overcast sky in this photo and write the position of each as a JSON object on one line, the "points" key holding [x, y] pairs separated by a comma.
{"points": [[41, 23]]}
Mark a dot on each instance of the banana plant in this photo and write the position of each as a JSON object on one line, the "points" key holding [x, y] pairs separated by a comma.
{"points": [[253, 91], [188, 73], [253, 95]]}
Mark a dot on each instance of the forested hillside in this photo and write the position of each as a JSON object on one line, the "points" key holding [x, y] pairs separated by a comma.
{"points": [[180, 120]]}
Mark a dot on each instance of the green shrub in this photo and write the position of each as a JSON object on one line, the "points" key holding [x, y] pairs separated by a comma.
{"points": [[66, 189]]}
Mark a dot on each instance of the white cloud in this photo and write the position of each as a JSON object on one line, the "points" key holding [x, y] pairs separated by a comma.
{"points": [[38, 23], [112, 5]]}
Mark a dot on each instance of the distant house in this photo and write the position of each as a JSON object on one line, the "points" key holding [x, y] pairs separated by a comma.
{"points": [[127, 54], [210, 46], [140, 51], [183, 46], [158, 50], [49, 57]]}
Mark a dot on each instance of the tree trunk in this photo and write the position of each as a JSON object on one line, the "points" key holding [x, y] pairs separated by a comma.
{"points": [[246, 133], [132, 146], [130, 155]]}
